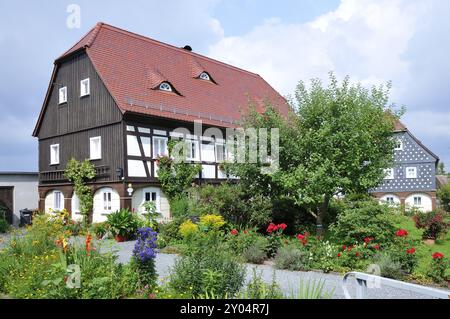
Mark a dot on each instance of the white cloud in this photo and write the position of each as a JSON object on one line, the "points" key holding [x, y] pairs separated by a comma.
{"points": [[363, 38], [373, 41]]}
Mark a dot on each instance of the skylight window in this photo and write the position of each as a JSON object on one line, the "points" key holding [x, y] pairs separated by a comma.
{"points": [[165, 87], [205, 76]]}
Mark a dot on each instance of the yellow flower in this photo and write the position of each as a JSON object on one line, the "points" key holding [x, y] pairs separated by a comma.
{"points": [[187, 228], [212, 221]]}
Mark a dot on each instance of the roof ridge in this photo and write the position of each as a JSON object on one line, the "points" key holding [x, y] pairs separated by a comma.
{"points": [[83, 38], [190, 53]]}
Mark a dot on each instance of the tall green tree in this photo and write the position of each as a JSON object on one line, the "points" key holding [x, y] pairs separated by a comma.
{"points": [[441, 169], [338, 141]]}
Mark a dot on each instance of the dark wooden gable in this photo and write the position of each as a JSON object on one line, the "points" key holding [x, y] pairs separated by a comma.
{"points": [[79, 113]]}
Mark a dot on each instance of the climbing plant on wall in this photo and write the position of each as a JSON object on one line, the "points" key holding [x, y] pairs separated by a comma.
{"points": [[79, 173]]}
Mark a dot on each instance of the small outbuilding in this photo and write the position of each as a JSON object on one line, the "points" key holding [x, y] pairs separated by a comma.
{"points": [[18, 190]]}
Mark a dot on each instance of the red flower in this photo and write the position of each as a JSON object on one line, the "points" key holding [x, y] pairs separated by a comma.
{"points": [[246, 231], [88, 244], [271, 228], [344, 247], [234, 232], [303, 239], [339, 254], [401, 233], [368, 239], [282, 226], [411, 251], [357, 254], [377, 247], [438, 256], [349, 248]]}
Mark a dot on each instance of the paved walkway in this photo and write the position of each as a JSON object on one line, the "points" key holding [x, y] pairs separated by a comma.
{"points": [[288, 281]]}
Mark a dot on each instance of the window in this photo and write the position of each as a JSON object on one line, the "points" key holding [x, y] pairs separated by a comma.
{"points": [[418, 200], [221, 151], [95, 149], [411, 172], [389, 173], [192, 150], [133, 146], [205, 76], [54, 154], [151, 195], [130, 128], [165, 87], [389, 199], [63, 95], [398, 144], [57, 201], [107, 201], [159, 146], [85, 87]]}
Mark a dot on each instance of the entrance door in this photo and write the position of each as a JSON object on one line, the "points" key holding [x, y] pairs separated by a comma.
{"points": [[7, 202]]}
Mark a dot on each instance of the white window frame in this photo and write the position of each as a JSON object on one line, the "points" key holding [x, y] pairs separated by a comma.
{"points": [[107, 200], [157, 199], [408, 175], [92, 141], [398, 144], [54, 154], [57, 205], [155, 143], [189, 150], [166, 87], [62, 98], [389, 173], [82, 86], [204, 76], [225, 156], [417, 200]]}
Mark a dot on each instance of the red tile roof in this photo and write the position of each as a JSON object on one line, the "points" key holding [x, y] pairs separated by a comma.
{"points": [[132, 66]]}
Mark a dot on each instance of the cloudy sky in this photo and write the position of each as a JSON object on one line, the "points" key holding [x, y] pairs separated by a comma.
{"points": [[373, 41]]}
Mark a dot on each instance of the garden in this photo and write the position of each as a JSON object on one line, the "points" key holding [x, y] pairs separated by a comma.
{"points": [[313, 213]]}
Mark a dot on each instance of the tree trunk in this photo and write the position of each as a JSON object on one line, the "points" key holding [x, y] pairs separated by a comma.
{"points": [[322, 211]]}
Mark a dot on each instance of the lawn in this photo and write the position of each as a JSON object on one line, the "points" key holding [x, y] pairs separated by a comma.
{"points": [[424, 252]]}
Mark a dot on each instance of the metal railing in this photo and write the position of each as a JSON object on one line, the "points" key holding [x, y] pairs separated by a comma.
{"points": [[168, 109], [365, 281]]}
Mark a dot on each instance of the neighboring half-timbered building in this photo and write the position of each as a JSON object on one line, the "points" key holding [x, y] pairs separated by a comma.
{"points": [[412, 180], [115, 98]]}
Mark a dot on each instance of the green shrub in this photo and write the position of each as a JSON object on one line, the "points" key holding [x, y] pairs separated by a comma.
{"points": [[169, 232], [364, 219], [232, 202], [389, 268], [432, 223], [256, 253], [438, 267], [207, 268], [291, 258], [4, 225], [179, 206], [100, 229], [123, 223], [238, 241], [258, 289]]}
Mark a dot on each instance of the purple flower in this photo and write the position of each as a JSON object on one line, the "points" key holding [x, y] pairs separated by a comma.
{"points": [[145, 248]]}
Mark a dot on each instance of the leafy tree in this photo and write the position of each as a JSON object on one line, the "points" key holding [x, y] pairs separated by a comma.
{"points": [[338, 141], [441, 169], [79, 173], [443, 195]]}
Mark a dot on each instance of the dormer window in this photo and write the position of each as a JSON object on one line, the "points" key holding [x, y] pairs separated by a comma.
{"points": [[204, 76], [165, 87]]}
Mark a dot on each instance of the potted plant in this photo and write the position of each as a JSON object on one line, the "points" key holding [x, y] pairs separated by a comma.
{"points": [[433, 225], [100, 229], [122, 224]]}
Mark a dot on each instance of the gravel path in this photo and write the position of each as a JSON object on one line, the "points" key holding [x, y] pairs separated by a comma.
{"points": [[288, 281]]}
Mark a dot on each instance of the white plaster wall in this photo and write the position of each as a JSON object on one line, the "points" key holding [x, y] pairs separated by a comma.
{"points": [[25, 192], [99, 214], [426, 202], [138, 199], [396, 198]]}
